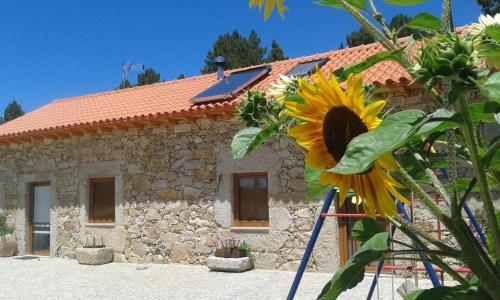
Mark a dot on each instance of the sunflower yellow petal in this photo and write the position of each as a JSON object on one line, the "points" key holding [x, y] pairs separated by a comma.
{"points": [[387, 161], [371, 112], [319, 159]]}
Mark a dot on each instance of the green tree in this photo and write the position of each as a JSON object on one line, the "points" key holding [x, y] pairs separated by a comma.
{"points": [[12, 111], [240, 51], [397, 24], [359, 37], [489, 7], [124, 84], [149, 76], [276, 53], [181, 76]]}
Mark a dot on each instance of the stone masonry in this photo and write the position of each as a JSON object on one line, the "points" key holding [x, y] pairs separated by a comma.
{"points": [[173, 194]]}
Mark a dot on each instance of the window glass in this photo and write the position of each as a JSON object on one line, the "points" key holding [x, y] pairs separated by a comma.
{"points": [[251, 197], [102, 206]]}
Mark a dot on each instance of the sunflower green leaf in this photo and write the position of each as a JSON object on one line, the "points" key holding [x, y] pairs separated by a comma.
{"points": [[485, 112], [458, 292], [493, 32], [404, 2], [357, 68], [491, 88], [359, 4], [314, 189], [366, 148], [365, 229], [247, 140], [353, 271], [424, 21]]}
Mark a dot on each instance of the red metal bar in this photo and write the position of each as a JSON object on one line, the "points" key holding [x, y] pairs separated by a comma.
{"points": [[355, 216], [458, 270]]}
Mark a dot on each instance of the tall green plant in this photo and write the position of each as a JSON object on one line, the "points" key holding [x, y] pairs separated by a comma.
{"points": [[452, 67]]}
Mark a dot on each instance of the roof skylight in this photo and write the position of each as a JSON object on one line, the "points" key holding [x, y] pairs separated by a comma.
{"points": [[306, 68], [231, 85]]}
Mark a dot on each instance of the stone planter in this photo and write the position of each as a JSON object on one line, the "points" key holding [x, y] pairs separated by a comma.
{"points": [[94, 256], [8, 245], [241, 264]]}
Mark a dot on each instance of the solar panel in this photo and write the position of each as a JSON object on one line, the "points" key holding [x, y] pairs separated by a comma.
{"points": [[306, 68], [229, 86]]}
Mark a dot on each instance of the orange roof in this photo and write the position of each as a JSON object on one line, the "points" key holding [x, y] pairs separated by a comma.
{"points": [[172, 99]]}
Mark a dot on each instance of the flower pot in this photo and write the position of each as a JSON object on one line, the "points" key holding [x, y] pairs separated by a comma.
{"points": [[229, 264], [8, 245], [236, 253], [94, 256]]}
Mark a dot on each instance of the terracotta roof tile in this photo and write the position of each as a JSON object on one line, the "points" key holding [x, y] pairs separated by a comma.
{"points": [[170, 98]]}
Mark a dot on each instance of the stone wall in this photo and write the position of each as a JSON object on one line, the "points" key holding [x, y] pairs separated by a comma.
{"points": [[173, 194]]}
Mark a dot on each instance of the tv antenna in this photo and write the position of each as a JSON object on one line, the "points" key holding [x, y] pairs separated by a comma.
{"points": [[128, 66]]}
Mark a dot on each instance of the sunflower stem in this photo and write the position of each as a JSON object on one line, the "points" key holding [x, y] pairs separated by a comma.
{"points": [[466, 194], [410, 232], [409, 182], [480, 173], [374, 31], [488, 156], [446, 268], [407, 227], [435, 181], [454, 254], [378, 17], [402, 244]]}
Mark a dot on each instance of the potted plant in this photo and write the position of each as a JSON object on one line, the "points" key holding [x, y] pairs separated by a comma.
{"points": [[94, 252], [231, 255], [8, 242]]}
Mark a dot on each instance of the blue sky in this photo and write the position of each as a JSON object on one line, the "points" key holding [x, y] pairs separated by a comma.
{"points": [[57, 49]]}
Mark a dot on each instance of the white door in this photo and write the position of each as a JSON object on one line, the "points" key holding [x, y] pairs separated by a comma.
{"points": [[41, 219]]}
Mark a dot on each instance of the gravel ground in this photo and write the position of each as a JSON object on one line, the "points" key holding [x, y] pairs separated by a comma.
{"points": [[55, 278]]}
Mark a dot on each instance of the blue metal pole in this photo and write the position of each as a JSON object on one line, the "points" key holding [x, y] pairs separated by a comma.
{"points": [[475, 223], [310, 244], [470, 215], [428, 267], [380, 265]]}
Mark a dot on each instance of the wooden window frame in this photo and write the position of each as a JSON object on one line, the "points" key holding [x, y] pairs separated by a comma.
{"points": [[90, 218], [247, 223]]}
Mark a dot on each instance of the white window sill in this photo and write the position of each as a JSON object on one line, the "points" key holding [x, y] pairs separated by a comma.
{"points": [[100, 225], [250, 229]]}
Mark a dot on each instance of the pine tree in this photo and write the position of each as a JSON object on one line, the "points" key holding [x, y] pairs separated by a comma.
{"points": [[399, 21], [362, 37], [276, 53], [359, 37], [239, 51], [149, 76], [489, 7], [124, 84], [12, 111]]}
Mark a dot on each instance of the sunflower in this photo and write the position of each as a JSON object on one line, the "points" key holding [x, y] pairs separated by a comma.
{"points": [[332, 118], [283, 87], [483, 43], [269, 6]]}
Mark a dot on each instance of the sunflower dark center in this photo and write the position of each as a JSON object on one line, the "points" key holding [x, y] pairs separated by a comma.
{"points": [[340, 126]]}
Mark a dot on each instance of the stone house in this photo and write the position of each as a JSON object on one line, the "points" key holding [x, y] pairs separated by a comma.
{"points": [[149, 169]]}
